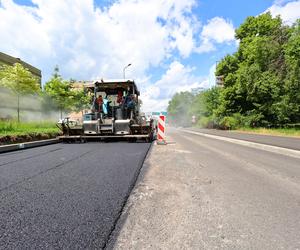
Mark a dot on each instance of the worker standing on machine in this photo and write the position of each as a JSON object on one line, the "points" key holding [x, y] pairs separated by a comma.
{"points": [[105, 106], [120, 97], [131, 106], [99, 103]]}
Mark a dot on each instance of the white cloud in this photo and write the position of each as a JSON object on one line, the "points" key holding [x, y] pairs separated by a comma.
{"points": [[21, 33], [86, 41], [288, 10], [206, 46], [217, 30], [90, 42], [177, 78], [212, 76]]}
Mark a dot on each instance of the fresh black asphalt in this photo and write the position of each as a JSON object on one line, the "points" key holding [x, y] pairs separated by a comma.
{"points": [[279, 141], [65, 195]]}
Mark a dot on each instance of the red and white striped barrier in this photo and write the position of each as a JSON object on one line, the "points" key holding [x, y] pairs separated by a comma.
{"points": [[161, 129]]}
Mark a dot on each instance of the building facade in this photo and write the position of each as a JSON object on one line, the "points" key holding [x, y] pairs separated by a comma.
{"points": [[10, 60]]}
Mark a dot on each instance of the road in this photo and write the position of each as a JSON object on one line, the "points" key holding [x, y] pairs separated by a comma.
{"points": [[195, 193], [279, 141], [203, 193], [65, 196]]}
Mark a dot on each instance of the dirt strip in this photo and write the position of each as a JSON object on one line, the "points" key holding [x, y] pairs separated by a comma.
{"points": [[12, 139]]}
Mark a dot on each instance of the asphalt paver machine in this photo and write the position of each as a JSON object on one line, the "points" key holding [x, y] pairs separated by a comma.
{"points": [[115, 113]]}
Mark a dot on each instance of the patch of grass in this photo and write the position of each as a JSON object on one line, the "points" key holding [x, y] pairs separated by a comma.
{"points": [[272, 131], [24, 128]]}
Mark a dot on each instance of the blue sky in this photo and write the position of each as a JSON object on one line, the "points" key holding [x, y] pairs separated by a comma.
{"points": [[172, 45]]}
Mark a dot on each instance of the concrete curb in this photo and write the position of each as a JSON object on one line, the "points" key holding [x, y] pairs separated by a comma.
{"points": [[273, 149], [25, 145]]}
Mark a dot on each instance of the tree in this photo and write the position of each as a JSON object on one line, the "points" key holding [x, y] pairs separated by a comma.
{"points": [[205, 103], [178, 108], [254, 75], [60, 91], [263, 25], [81, 100], [261, 80], [20, 81], [290, 104]]}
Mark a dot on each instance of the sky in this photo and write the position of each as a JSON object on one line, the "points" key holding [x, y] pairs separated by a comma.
{"points": [[173, 45]]}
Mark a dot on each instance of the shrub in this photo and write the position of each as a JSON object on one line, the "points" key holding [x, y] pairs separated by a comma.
{"points": [[252, 120], [231, 122], [207, 122]]}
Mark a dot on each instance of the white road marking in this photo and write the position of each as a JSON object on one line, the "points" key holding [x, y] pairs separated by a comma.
{"points": [[273, 149]]}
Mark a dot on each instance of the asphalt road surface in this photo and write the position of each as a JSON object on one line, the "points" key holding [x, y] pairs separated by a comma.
{"points": [[280, 141], [65, 195], [203, 193], [254, 194]]}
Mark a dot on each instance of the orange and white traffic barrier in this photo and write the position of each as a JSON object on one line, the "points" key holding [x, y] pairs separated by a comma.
{"points": [[161, 129]]}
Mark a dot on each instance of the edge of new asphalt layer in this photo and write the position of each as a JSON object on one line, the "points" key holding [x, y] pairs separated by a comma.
{"points": [[119, 223], [26, 145], [111, 236], [270, 148]]}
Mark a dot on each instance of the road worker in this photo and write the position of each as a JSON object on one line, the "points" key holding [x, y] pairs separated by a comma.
{"points": [[99, 102]]}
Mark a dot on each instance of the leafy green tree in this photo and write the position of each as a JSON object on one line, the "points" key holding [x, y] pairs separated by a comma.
{"points": [[290, 104], [60, 91], [227, 68], [178, 108], [81, 100], [20, 81], [260, 26], [261, 80], [205, 103], [254, 75]]}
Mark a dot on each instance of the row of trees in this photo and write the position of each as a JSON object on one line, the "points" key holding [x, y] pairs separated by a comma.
{"points": [[261, 80], [58, 94]]}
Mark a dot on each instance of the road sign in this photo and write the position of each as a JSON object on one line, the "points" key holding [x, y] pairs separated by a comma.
{"points": [[160, 113]]}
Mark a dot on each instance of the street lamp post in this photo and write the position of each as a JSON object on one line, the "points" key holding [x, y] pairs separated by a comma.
{"points": [[125, 68]]}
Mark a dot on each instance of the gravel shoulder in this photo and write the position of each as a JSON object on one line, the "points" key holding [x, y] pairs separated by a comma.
{"points": [[159, 211]]}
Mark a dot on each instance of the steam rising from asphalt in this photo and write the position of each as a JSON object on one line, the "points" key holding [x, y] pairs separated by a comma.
{"points": [[32, 107]]}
